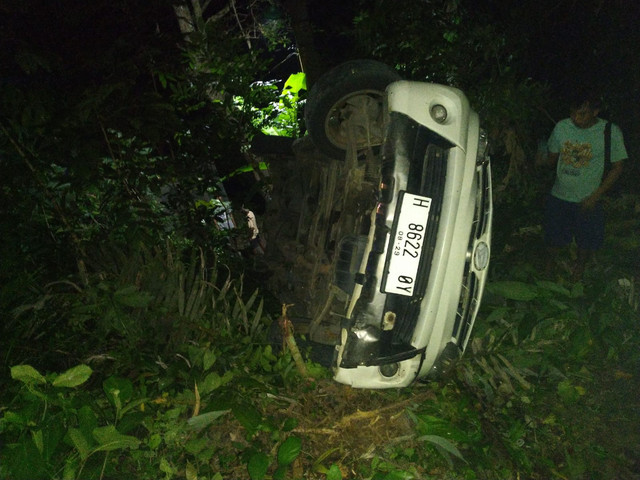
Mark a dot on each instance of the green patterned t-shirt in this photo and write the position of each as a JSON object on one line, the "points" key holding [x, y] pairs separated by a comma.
{"points": [[581, 158]]}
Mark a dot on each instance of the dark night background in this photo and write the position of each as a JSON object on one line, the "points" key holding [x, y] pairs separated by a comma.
{"points": [[116, 127], [71, 71]]}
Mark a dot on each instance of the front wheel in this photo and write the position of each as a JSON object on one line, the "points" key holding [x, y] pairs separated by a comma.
{"points": [[346, 104]]}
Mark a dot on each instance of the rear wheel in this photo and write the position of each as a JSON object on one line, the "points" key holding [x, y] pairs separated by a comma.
{"points": [[346, 104]]}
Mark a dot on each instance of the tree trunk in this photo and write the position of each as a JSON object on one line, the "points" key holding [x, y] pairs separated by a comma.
{"points": [[311, 62]]}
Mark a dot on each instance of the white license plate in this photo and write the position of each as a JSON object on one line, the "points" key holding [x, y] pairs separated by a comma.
{"points": [[406, 245]]}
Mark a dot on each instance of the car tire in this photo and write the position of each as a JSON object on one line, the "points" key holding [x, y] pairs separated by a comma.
{"points": [[351, 91]]}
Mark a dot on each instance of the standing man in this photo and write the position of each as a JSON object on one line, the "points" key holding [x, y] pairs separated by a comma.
{"points": [[574, 208]]}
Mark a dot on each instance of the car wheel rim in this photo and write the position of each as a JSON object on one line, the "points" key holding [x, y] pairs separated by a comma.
{"points": [[358, 116]]}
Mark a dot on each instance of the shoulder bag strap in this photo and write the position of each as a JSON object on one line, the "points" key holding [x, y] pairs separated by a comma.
{"points": [[607, 144]]}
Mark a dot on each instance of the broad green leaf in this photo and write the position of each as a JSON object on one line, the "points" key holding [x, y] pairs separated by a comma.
{"points": [[439, 426], [289, 424], [81, 443], [166, 467], [399, 475], [53, 432], [27, 374], [119, 391], [196, 445], [208, 360], [12, 417], [496, 315], [87, 420], [173, 413], [70, 468], [295, 83], [191, 472], [289, 450], [258, 465], [201, 421], [210, 383], [154, 441], [110, 439], [195, 354], [553, 287], [227, 377], [559, 305], [513, 290], [120, 387], [73, 377], [334, 473], [569, 392], [36, 435], [248, 417], [443, 444]]}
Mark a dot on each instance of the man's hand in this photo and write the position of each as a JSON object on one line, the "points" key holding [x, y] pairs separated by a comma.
{"points": [[590, 202]]}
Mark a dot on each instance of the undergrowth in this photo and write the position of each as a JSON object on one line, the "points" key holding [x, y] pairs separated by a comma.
{"points": [[161, 368]]}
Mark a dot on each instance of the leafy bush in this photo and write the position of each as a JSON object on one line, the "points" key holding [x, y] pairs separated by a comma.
{"points": [[177, 348]]}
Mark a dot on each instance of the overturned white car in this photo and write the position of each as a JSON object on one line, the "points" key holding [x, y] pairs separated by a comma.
{"points": [[395, 229]]}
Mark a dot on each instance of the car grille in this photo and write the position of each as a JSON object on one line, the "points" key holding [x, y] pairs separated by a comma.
{"points": [[466, 306], [426, 155], [470, 286]]}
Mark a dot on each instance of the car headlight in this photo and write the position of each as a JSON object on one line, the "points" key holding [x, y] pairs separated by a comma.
{"points": [[439, 113]]}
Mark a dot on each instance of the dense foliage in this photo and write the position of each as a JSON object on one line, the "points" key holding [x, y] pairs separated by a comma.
{"points": [[163, 369], [112, 141], [133, 347]]}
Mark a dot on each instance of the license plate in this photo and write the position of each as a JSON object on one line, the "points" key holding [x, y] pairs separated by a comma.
{"points": [[406, 244]]}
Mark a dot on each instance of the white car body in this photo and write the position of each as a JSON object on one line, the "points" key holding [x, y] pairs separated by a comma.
{"points": [[439, 313]]}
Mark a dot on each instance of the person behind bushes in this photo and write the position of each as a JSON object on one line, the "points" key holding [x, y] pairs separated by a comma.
{"points": [[255, 242]]}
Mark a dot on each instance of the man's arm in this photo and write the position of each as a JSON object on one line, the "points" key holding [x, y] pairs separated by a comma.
{"points": [[607, 183]]}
